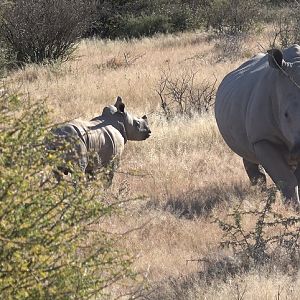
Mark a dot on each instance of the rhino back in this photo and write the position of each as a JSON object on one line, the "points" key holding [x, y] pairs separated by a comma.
{"points": [[107, 142], [101, 139]]}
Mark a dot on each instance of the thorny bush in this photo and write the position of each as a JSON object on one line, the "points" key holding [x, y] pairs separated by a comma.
{"points": [[274, 239], [184, 95]]}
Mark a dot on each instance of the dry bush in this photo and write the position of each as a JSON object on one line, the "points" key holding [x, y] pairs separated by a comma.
{"points": [[286, 26], [39, 30], [119, 61], [229, 47], [183, 95], [274, 238], [263, 248]]}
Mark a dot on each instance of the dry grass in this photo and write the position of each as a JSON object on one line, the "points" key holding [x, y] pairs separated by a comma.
{"points": [[185, 171], [101, 70], [254, 286]]}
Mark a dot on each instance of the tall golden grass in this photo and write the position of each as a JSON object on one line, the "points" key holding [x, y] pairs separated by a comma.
{"points": [[184, 172]]}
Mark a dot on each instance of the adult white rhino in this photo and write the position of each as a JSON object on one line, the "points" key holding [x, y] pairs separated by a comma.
{"points": [[100, 142], [258, 114]]}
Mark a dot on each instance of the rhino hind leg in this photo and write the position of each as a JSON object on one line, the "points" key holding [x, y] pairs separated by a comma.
{"points": [[254, 173]]}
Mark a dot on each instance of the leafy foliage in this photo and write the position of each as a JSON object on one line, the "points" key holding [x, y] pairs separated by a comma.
{"points": [[132, 18], [52, 245], [231, 16]]}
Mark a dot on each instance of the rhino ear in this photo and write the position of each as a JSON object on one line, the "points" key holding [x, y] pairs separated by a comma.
{"points": [[119, 104], [275, 58]]}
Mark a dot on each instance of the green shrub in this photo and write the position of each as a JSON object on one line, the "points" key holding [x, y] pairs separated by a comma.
{"points": [[133, 18], [144, 26], [111, 16], [231, 16], [180, 20], [52, 245]]}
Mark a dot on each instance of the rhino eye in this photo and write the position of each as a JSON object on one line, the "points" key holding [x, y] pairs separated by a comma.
{"points": [[286, 114]]}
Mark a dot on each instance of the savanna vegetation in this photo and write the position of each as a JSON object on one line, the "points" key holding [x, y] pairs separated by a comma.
{"points": [[180, 220]]}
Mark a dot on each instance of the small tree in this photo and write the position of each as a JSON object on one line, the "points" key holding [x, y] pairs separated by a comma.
{"points": [[286, 26], [39, 30], [231, 16], [52, 245]]}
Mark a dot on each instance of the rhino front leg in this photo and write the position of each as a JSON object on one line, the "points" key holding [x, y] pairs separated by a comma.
{"points": [[275, 165], [255, 175]]}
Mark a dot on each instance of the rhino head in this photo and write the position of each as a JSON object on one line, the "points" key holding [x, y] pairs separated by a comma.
{"points": [[286, 85], [135, 129]]}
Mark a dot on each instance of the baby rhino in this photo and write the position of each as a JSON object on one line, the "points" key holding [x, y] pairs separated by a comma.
{"points": [[99, 143]]}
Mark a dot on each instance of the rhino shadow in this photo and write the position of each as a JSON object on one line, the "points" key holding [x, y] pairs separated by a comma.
{"points": [[202, 201]]}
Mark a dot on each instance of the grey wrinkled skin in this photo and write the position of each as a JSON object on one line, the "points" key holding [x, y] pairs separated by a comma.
{"points": [[257, 110], [99, 142]]}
